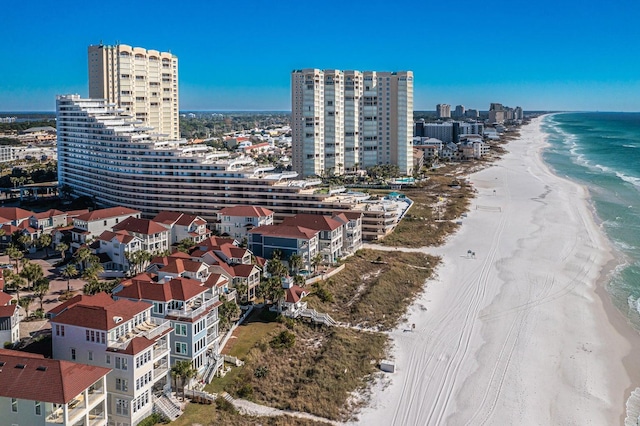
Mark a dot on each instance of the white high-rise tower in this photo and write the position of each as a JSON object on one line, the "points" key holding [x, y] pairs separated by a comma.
{"points": [[345, 120], [140, 81]]}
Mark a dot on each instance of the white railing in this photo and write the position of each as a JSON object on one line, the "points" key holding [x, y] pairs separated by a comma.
{"points": [[192, 313], [159, 327]]}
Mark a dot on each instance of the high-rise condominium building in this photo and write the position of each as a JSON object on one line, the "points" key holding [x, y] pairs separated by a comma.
{"points": [[142, 82], [443, 111], [349, 120], [107, 155]]}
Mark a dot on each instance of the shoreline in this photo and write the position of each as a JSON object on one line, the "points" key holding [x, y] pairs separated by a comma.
{"points": [[527, 333]]}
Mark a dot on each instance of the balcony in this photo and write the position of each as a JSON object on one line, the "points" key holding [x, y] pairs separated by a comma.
{"points": [[97, 416], [212, 338], [193, 310], [151, 329], [160, 368], [95, 392], [160, 348], [212, 319]]}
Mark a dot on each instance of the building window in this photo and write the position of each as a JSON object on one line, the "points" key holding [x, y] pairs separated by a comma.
{"points": [[14, 405], [38, 407], [122, 407], [73, 354], [90, 356], [122, 385], [181, 348], [121, 363], [108, 359]]}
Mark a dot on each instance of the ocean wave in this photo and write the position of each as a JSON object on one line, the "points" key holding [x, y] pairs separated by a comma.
{"points": [[630, 146], [631, 179]]}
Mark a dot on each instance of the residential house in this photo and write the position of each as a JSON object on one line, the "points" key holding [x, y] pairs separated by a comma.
{"points": [[330, 234], [14, 215], [112, 250], [92, 224], [182, 226], [39, 391], [192, 310], [46, 221], [9, 321], [124, 336], [236, 221], [154, 237], [352, 231], [287, 239]]}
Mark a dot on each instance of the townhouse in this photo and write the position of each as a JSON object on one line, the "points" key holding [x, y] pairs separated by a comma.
{"points": [[90, 225], [40, 391], [182, 226], [330, 234], [121, 335], [287, 239], [236, 221], [192, 310]]}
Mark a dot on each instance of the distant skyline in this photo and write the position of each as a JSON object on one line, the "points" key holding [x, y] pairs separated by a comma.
{"points": [[543, 55]]}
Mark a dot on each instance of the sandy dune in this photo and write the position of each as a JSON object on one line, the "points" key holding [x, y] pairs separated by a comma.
{"points": [[516, 335]]}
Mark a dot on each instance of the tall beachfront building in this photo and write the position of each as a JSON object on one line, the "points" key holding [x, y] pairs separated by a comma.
{"points": [[142, 82], [107, 155], [349, 120]]}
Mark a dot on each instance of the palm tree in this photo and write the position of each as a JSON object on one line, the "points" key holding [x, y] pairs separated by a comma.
{"points": [[14, 254], [62, 249], [69, 272], [17, 283], [82, 255], [24, 303], [45, 241], [295, 263], [185, 371], [41, 289], [276, 268], [315, 261], [25, 240], [32, 272]]}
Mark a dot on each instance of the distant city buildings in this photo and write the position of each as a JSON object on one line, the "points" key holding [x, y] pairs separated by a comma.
{"points": [[459, 112], [140, 81], [499, 114], [349, 120], [472, 113], [443, 111], [447, 132]]}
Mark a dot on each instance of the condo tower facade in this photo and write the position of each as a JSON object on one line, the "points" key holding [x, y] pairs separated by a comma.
{"points": [[348, 120]]}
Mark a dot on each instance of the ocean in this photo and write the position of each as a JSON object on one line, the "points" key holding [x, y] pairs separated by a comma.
{"points": [[602, 152]]}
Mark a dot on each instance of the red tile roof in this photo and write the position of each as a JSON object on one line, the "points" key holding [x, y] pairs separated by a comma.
{"points": [[177, 289], [139, 226], [287, 231], [350, 214], [5, 299], [101, 317], [244, 271], [100, 299], [313, 221], [107, 213], [294, 294], [15, 213], [178, 266], [167, 218], [121, 236], [214, 241], [43, 379], [48, 213], [8, 310], [246, 211]]}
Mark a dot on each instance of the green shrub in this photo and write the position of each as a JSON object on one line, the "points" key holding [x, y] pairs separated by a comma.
{"points": [[285, 339], [224, 405], [152, 420], [261, 372], [245, 391]]}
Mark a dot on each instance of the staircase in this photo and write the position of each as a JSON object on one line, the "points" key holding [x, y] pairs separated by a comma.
{"points": [[318, 317], [166, 407]]}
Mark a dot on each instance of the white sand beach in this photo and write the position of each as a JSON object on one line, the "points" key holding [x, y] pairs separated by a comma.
{"points": [[518, 334]]}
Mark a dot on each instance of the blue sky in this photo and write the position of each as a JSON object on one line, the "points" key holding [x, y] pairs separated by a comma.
{"points": [[559, 55]]}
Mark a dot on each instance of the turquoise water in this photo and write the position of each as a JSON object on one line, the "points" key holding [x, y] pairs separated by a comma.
{"points": [[602, 151]]}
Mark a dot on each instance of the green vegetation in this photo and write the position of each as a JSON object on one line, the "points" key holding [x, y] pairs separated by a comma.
{"points": [[320, 370], [375, 287]]}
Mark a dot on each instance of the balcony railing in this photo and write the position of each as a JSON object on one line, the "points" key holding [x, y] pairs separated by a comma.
{"points": [[212, 338], [160, 370], [190, 312], [151, 329], [212, 319]]}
